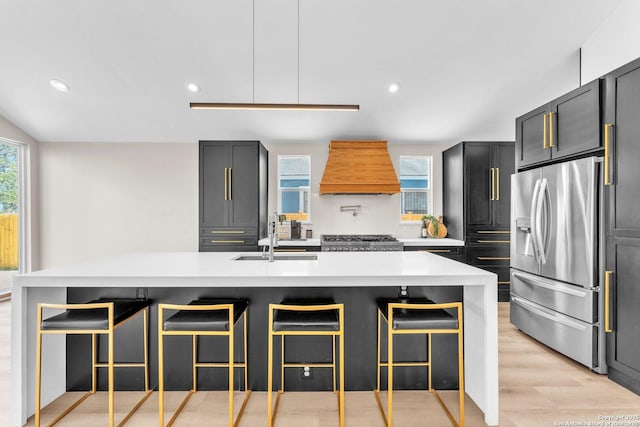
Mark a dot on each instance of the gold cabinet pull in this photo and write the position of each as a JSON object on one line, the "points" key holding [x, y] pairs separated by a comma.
{"points": [[494, 232], [230, 186], [444, 251], [607, 286], [551, 130], [289, 250], [493, 258], [227, 241], [227, 232], [497, 183], [226, 187], [504, 283], [607, 129], [494, 241], [493, 183], [544, 135]]}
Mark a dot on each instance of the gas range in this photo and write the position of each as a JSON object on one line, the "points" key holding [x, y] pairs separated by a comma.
{"points": [[359, 242]]}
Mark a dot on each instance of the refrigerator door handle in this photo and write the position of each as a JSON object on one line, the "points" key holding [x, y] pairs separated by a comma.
{"points": [[534, 200], [564, 320], [539, 220]]}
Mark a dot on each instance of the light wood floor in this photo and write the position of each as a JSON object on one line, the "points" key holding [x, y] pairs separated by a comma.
{"points": [[538, 387]]}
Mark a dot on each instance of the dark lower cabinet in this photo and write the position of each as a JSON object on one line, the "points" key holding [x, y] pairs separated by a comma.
{"points": [[621, 133], [233, 195], [477, 204], [452, 252]]}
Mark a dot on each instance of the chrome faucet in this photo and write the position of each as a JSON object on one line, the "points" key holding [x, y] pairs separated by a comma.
{"points": [[273, 236]]}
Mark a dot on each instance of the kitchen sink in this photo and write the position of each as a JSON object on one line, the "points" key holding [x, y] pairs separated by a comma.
{"points": [[278, 257]]}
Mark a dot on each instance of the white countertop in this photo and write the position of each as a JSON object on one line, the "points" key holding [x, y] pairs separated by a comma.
{"points": [[417, 241], [220, 269]]}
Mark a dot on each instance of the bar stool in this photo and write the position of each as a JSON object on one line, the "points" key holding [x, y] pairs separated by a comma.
{"points": [[418, 316], [204, 317], [100, 316], [306, 318]]}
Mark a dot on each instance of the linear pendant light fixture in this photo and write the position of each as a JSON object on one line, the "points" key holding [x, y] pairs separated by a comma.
{"points": [[273, 106]]}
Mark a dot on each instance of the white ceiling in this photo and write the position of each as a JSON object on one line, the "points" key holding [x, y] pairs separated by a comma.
{"points": [[466, 68]]}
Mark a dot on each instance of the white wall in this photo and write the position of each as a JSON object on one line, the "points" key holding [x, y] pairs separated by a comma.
{"points": [[107, 199], [380, 213], [614, 43]]}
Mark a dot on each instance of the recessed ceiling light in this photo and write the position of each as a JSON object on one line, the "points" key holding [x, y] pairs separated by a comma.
{"points": [[394, 87], [193, 87], [59, 85]]}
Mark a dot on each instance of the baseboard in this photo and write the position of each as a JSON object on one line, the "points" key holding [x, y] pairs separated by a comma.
{"points": [[624, 380]]}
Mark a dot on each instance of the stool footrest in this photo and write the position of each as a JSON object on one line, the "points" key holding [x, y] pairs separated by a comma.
{"points": [[310, 365], [449, 414], [182, 405], [218, 365], [70, 408], [121, 365], [406, 364], [135, 408]]}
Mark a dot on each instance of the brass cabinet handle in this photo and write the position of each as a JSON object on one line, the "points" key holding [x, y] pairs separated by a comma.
{"points": [[226, 187], [494, 241], [551, 130], [494, 232], [493, 258], [227, 241], [607, 128], [504, 283], [607, 285], [493, 178], [289, 250], [227, 232], [230, 185], [544, 135], [497, 183], [445, 251]]}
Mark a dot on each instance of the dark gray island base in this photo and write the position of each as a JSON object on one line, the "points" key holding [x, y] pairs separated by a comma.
{"points": [[360, 342]]}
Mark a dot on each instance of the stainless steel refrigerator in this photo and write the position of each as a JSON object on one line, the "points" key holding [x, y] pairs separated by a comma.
{"points": [[556, 258]]}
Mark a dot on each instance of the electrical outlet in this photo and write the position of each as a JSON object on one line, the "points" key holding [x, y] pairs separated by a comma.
{"points": [[403, 292], [141, 293], [307, 373]]}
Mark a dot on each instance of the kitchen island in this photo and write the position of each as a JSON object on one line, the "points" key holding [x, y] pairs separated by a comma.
{"points": [[357, 273]]}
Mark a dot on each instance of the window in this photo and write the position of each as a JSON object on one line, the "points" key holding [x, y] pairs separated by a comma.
{"points": [[415, 187], [294, 180]]}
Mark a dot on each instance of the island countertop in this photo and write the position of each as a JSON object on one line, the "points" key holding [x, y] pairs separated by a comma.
{"points": [[220, 270]]}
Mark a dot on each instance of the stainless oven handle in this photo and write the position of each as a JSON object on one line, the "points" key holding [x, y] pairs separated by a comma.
{"points": [[536, 281], [547, 314]]}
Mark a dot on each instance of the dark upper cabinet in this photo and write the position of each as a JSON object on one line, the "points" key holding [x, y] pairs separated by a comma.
{"points": [[567, 126], [477, 203], [621, 134], [233, 195]]}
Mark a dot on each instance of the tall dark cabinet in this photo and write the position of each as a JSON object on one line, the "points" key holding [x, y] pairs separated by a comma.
{"points": [[233, 195], [621, 133], [477, 203], [566, 126]]}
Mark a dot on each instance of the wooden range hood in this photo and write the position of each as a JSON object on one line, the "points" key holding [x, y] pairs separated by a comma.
{"points": [[359, 167]]}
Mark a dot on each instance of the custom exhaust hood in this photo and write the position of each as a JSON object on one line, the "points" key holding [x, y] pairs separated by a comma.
{"points": [[359, 167]]}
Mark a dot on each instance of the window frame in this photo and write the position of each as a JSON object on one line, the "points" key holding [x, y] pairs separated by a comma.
{"points": [[280, 189], [428, 190]]}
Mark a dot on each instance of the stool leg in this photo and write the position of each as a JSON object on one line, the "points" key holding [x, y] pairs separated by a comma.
{"points": [[282, 363], [341, 368], [194, 360], [38, 367], [378, 367], [146, 348], [334, 338], [461, 371], [390, 373], [246, 360], [160, 369], [270, 371], [231, 368], [94, 362], [111, 382], [430, 367]]}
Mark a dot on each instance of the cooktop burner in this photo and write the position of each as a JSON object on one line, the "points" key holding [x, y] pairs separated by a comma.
{"points": [[360, 242], [358, 238]]}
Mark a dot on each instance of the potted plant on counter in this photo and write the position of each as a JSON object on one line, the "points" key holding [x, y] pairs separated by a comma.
{"points": [[434, 226]]}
